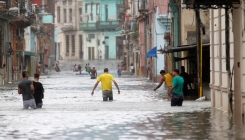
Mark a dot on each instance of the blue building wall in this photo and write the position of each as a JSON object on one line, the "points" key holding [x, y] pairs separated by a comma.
{"points": [[112, 15]]}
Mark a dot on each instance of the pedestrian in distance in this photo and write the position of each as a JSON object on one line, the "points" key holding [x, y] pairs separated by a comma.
{"points": [[88, 68], [167, 78], [147, 69], [132, 70], [106, 80], [93, 73], [187, 80], [80, 68], [176, 91], [38, 91], [119, 70], [26, 88]]}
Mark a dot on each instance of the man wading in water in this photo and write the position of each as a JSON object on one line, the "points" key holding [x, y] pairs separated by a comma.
{"points": [[26, 88], [106, 80], [93, 73], [167, 78]]}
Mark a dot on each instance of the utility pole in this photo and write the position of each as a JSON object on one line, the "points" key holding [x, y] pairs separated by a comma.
{"points": [[199, 52]]}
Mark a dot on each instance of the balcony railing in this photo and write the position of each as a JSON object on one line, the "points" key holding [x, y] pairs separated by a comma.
{"points": [[108, 25], [88, 26], [67, 27], [143, 6]]}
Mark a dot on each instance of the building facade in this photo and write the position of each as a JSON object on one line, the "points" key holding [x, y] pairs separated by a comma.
{"points": [[99, 24], [68, 37]]}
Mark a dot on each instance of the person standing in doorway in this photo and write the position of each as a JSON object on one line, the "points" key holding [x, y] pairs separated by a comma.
{"points": [[38, 92], [100, 55], [106, 80], [147, 69], [81, 55], [187, 80], [93, 73], [167, 78], [132, 70], [80, 69], [176, 91], [26, 88]]}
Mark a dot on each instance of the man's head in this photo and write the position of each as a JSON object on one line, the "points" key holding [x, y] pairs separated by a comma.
{"points": [[106, 70], [25, 74], [93, 67], [162, 72], [182, 68], [175, 72], [36, 76]]}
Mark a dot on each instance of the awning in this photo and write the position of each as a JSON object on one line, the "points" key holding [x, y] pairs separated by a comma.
{"points": [[152, 53], [181, 48]]}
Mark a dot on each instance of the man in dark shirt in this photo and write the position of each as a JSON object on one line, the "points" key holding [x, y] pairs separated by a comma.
{"points": [[38, 92], [93, 73], [25, 87], [187, 80]]}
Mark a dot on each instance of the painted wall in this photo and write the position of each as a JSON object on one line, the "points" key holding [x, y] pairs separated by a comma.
{"points": [[219, 81], [159, 41]]}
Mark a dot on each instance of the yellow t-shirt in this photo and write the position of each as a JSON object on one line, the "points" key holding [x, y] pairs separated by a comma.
{"points": [[106, 81], [168, 79]]}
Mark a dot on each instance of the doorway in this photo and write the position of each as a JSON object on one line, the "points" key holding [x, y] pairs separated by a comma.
{"points": [[91, 55]]}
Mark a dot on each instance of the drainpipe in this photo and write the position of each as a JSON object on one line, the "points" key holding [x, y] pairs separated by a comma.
{"points": [[237, 31]]}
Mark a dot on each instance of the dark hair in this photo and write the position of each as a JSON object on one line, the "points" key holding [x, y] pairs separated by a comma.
{"points": [[176, 70], [24, 74], [36, 75], [162, 71], [106, 70], [182, 67]]}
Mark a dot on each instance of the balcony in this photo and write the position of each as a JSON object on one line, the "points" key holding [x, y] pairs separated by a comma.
{"points": [[88, 26], [67, 27], [108, 25], [209, 3], [143, 6]]}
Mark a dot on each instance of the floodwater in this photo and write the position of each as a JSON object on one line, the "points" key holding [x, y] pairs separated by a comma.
{"points": [[70, 112]]}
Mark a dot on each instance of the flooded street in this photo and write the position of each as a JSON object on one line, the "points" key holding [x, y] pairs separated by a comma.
{"points": [[70, 112]]}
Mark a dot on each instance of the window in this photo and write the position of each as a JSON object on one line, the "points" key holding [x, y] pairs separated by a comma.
{"points": [[73, 43], [70, 2], [86, 8], [80, 14], [97, 9], [106, 12], [91, 36], [81, 43], [64, 2], [65, 20], [58, 14], [70, 16], [67, 43]]}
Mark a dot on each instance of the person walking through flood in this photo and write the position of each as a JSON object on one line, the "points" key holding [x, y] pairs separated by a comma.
{"points": [[132, 70], [88, 68], [176, 91], [80, 68], [119, 70], [38, 91], [167, 78], [93, 73], [26, 88], [106, 80]]}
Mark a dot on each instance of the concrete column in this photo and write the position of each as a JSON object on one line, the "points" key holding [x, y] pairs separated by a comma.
{"points": [[237, 31], [212, 58]]}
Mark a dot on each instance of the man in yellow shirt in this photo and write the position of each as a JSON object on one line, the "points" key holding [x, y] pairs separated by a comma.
{"points": [[106, 80], [168, 78]]}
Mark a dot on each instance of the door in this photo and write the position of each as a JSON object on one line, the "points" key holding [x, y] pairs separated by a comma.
{"points": [[91, 55]]}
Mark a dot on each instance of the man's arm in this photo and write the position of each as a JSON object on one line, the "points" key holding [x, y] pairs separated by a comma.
{"points": [[32, 87], [19, 91], [95, 86], [171, 91], [115, 83], [160, 84]]}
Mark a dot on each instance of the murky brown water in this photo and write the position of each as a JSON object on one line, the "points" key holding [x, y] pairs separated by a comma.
{"points": [[70, 112]]}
